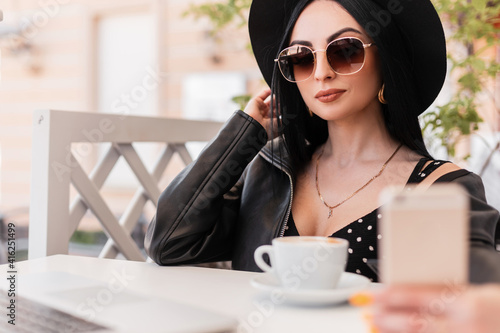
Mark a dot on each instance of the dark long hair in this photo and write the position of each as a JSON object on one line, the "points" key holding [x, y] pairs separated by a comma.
{"points": [[302, 134]]}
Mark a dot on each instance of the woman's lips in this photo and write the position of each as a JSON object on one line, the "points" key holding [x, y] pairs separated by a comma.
{"points": [[330, 95]]}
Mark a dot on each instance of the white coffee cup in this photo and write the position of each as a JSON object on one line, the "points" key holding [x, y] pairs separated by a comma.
{"points": [[305, 262]]}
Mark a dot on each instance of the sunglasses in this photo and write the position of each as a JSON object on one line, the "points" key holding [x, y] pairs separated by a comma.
{"points": [[345, 56]]}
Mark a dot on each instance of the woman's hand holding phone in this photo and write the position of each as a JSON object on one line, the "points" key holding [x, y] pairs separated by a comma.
{"points": [[427, 309]]}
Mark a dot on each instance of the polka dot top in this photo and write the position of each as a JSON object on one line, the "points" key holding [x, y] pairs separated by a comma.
{"points": [[362, 234]]}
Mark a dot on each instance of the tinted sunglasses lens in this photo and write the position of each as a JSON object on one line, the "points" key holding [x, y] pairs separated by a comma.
{"points": [[346, 56], [296, 63]]}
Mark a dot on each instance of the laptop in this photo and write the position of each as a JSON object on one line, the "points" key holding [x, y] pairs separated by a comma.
{"points": [[65, 302]]}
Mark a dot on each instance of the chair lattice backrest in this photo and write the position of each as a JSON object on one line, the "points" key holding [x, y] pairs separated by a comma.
{"points": [[53, 220]]}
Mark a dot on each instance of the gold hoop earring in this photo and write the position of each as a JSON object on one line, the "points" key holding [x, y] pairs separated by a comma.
{"points": [[381, 95], [310, 112]]}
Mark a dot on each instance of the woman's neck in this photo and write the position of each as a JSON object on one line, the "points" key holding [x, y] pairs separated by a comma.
{"points": [[365, 138]]}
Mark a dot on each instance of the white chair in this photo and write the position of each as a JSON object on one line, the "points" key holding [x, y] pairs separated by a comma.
{"points": [[54, 167]]}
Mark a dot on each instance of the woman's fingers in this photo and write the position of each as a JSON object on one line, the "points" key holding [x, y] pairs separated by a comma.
{"points": [[418, 297], [264, 100], [259, 107], [264, 95], [416, 308], [410, 322], [452, 308]]}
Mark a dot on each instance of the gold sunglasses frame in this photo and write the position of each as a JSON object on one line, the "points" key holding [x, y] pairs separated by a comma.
{"points": [[365, 45]]}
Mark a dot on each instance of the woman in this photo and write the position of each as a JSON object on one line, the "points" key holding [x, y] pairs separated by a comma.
{"points": [[348, 80]]}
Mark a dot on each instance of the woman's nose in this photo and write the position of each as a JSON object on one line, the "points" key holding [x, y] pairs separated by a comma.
{"points": [[323, 70]]}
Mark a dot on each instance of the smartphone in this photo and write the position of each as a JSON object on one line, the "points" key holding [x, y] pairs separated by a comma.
{"points": [[424, 235]]}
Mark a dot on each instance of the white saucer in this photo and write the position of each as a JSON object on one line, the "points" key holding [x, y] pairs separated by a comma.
{"points": [[348, 285]]}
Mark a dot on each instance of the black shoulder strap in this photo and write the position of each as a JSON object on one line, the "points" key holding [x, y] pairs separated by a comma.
{"points": [[418, 174], [414, 175]]}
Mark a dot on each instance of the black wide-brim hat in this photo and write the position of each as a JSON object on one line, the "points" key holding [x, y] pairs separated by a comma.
{"points": [[417, 20]]}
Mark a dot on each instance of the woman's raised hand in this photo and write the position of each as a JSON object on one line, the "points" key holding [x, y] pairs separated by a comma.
{"points": [[259, 108]]}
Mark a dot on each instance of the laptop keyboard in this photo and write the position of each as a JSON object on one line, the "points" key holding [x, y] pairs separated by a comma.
{"points": [[31, 317]]}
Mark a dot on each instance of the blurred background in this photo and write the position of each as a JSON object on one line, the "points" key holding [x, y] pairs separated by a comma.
{"points": [[177, 58]]}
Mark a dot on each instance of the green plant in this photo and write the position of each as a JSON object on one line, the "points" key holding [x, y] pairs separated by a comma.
{"points": [[88, 237], [222, 13], [241, 100], [473, 29]]}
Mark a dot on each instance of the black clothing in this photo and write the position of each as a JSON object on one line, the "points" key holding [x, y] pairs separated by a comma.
{"points": [[238, 194], [362, 234]]}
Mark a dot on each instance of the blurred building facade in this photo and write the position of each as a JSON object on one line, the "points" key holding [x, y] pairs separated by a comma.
{"points": [[120, 56]]}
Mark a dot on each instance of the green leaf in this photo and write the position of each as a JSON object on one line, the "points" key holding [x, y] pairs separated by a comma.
{"points": [[479, 4], [241, 100]]}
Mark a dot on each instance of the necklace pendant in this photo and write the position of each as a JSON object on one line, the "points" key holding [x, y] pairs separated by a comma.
{"points": [[330, 213]]}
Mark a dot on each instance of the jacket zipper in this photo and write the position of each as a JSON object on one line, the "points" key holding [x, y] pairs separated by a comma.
{"points": [[285, 222], [287, 216]]}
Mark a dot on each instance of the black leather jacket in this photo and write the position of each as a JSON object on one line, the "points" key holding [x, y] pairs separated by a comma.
{"points": [[237, 196]]}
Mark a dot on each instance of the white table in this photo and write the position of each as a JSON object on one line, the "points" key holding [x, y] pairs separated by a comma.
{"points": [[224, 291]]}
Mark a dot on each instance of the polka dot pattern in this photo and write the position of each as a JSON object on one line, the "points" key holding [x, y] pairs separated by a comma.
{"points": [[362, 233], [362, 237]]}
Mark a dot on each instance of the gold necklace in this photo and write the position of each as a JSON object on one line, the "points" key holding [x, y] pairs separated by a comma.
{"points": [[331, 208]]}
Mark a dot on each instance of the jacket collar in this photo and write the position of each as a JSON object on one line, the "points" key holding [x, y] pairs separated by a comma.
{"points": [[276, 153]]}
